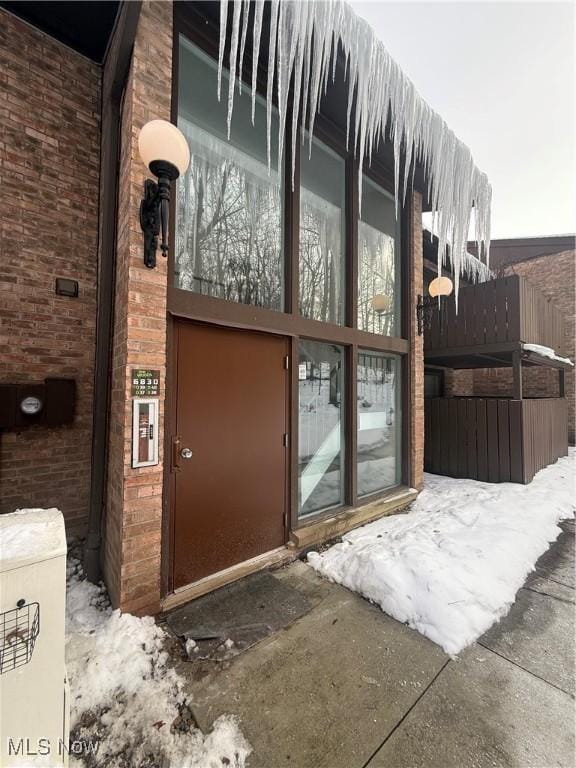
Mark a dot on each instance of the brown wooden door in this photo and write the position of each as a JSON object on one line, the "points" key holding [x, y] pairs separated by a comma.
{"points": [[230, 495]]}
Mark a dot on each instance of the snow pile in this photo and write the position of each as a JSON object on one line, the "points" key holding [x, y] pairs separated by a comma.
{"points": [[125, 697], [451, 567], [302, 41], [546, 352]]}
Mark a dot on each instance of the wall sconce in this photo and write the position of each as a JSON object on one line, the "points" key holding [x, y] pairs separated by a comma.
{"points": [[439, 287], [164, 150]]}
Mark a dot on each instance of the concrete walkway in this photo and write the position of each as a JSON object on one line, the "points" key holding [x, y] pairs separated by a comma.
{"points": [[346, 686]]}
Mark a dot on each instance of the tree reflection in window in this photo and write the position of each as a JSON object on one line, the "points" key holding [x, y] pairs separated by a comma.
{"points": [[229, 232], [378, 255], [322, 268]]}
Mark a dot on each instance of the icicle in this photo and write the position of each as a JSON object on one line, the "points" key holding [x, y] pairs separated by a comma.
{"points": [[223, 23], [300, 59], [303, 44], [245, 14], [232, 60], [274, 7], [257, 32]]}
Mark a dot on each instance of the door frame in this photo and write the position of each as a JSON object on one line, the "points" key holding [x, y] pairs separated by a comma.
{"points": [[170, 425]]}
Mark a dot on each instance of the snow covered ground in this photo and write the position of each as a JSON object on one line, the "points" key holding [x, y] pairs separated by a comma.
{"points": [[125, 699], [451, 567]]}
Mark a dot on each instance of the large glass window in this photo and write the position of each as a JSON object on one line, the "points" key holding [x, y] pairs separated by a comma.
{"points": [[378, 262], [322, 209], [321, 427], [229, 244], [379, 422], [229, 207]]}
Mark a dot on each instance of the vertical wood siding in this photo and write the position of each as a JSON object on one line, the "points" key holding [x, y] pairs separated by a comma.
{"points": [[494, 440]]}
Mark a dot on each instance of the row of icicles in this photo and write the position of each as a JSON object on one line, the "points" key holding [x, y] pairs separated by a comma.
{"points": [[303, 39]]}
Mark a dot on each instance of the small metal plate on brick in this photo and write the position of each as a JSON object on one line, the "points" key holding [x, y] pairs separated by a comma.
{"points": [[239, 615]]}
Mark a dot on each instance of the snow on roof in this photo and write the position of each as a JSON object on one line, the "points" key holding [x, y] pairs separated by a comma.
{"points": [[548, 352], [303, 40]]}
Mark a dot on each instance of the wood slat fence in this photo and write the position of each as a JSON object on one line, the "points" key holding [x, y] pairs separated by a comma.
{"points": [[545, 433], [508, 309], [494, 440]]}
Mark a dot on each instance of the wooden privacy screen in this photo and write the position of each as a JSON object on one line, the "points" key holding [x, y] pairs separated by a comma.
{"points": [[545, 433], [493, 440], [541, 322], [505, 310]]}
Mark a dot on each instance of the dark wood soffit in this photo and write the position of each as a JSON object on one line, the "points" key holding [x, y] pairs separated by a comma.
{"points": [[85, 27], [489, 356]]}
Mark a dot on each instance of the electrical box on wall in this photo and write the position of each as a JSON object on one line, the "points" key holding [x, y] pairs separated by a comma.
{"points": [[145, 432], [51, 404]]}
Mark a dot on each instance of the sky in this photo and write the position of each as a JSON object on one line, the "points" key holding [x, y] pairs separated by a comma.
{"points": [[502, 75]]}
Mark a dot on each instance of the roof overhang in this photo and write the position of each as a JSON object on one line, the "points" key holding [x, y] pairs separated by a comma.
{"points": [[489, 356], [84, 26]]}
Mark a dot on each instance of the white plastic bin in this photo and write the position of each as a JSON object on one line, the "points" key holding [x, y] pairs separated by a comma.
{"points": [[33, 702]]}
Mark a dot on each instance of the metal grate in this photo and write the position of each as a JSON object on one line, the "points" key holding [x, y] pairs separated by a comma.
{"points": [[19, 629]]}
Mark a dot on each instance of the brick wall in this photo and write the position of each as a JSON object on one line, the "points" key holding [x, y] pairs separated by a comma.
{"points": [[133, 526], [554, 275], [49, 166], [416, 351], [458, 383]]}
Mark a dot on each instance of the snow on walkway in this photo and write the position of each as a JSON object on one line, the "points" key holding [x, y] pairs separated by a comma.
{"points": [[451, 566], [124, 696]]}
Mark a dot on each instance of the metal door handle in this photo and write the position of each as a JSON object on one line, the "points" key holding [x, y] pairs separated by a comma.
{"points": [[186, 453], [175, 454]]}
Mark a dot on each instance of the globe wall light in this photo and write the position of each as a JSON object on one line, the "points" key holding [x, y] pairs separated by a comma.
{"points": [[380, 303], [165, 152], [439, 287]]}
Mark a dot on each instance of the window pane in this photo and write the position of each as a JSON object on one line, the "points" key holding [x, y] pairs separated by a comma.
{"points": [[229, 208], [321, 427], [322, 266], [379, 418], [378, 257]]}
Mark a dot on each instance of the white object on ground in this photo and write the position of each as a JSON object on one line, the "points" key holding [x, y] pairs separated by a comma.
{"points": [[302, 42], [546, 352], [191, 646], [29, 534], [126, 696], [451, 566], [33, 705]]}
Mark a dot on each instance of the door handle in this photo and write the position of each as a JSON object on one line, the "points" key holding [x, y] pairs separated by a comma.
{"points": [[186, 453], [176, 454]]}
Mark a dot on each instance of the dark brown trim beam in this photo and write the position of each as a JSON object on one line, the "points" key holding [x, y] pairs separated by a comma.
{"points": [[477, 349], [429, 266], [517, 375], [195, 306]]}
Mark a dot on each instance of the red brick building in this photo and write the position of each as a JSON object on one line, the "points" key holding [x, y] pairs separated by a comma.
{"points": [[258, 391]]}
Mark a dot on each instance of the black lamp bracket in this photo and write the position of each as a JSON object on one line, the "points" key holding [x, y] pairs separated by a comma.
{"points": [[154, 209], [425, 307]]}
